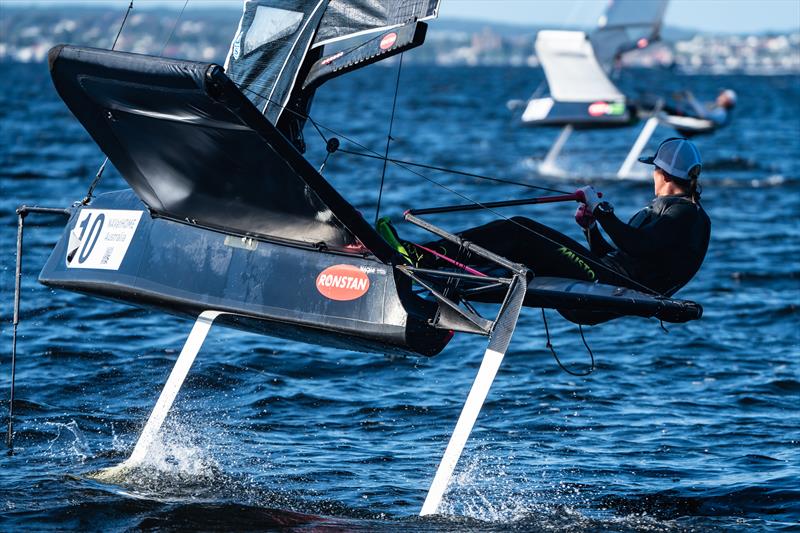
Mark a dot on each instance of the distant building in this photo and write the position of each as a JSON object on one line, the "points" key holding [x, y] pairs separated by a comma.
{"points": [[204, 35]]}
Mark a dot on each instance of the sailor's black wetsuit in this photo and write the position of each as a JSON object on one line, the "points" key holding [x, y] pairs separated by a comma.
{"points": [[660, 248]]}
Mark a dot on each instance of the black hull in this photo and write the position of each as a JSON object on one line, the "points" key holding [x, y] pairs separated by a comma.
{"points": [[580, 124], [580, 117], [268, 288]]}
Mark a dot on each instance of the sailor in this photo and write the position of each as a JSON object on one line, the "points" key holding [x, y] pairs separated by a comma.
{"points": [[719, 112], [664, 244], [724, 104], [659, 250]]}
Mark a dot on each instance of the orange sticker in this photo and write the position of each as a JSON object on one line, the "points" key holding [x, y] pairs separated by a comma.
{"points": [[388, 40], [342, 283]]}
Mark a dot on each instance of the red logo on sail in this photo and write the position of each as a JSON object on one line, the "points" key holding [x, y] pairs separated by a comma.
{"points": [[388, 40], [342, 283]]}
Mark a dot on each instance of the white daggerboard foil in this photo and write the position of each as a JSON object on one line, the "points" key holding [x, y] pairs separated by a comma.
{"points": [[101, 237]]}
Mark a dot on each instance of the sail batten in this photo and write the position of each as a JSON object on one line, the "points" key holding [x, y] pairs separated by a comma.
{"points": [[345, 19], [361, 33]]}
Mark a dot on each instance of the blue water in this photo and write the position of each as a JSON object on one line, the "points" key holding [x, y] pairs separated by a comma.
{"points": [[695, 429]]}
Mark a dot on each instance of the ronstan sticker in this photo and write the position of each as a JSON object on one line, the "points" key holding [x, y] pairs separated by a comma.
{"points": [[388, 40], [342, 283], [100, 238]]}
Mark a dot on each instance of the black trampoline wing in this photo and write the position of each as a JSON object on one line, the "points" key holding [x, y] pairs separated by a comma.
{"points": [[194, 148]]}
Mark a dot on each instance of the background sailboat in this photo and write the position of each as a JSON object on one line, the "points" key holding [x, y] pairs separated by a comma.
{"points": [[577, 67]]}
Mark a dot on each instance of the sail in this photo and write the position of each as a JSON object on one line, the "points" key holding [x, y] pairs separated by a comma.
{"points": [[268, 50], [277, 40], [626, 25], [345, 19], [571, 69]]}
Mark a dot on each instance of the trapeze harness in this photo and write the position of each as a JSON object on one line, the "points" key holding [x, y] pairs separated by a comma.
{"points": [[661, 248]]}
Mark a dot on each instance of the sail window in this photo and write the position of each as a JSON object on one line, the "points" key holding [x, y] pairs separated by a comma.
{"points": [[271, 24]]}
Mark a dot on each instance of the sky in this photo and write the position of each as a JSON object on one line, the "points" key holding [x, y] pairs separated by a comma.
{"points": [[717, 16]]}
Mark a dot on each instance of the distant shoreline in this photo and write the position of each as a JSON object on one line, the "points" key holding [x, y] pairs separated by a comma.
{"points": [[204, 33]]}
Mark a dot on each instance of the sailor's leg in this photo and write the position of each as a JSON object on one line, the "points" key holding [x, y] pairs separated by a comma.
{"points": [[168, 394], [641, 141], [545, 251], [548, 166], [498, 344]]}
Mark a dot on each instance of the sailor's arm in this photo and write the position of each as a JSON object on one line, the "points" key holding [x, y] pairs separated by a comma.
{"points": [[586, 220], [652, 239], [718, 115], [597, 243], [699, 109]]}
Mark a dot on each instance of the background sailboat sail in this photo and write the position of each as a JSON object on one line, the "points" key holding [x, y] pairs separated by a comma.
{"points": [[626, 25], [278, 40], [572, 72], [576, 66]]}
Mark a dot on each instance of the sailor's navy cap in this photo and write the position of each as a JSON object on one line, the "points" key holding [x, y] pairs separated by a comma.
{"points": [[676, 156]]}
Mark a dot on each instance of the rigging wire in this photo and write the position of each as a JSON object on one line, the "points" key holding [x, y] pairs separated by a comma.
{"points": [[175, 25], [99, 174], [124, 19], [388, 139], [555, 355], [402, 163], [96, 180], [456, 172]]}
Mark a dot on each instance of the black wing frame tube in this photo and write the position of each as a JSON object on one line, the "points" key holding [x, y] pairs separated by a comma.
{"points": [[453, 316], [492, 205], [516, 268]]}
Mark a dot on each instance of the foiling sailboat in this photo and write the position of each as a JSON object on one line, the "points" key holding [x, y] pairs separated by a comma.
{"points": [[582, 95], [227, 223]]}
